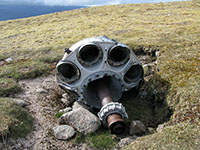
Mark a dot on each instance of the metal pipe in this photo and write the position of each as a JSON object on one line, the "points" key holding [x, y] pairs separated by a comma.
{"points": [[115, 122]]}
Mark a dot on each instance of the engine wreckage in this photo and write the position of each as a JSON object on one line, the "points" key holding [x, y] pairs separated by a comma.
{"points": [[98, 70]]}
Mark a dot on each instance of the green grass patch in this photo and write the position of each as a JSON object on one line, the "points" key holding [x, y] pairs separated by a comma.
{"points": [[183, 136], [59, 114], [23, 69], [100, 140], [8, 86], [14, 120]]}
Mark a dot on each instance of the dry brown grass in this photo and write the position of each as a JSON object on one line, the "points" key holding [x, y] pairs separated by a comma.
{"points": [[37, 43]]}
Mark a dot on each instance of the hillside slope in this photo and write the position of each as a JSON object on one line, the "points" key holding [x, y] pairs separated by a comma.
{"points": [[35, 44]]}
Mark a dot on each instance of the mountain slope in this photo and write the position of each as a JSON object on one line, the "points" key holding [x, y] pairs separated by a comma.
{"points": [[35, 44]]}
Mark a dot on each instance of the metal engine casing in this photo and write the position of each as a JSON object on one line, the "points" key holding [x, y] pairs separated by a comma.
{"points": [[94, 59]]}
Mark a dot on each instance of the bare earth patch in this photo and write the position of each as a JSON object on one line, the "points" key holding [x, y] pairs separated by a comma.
{"points": [[42, 95]]}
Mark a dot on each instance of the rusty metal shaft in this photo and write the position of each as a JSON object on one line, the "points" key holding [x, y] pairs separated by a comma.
{"points": [[115, 122]]}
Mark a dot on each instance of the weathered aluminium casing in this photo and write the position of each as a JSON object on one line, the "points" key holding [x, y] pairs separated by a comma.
{"points": [[96, 58]]}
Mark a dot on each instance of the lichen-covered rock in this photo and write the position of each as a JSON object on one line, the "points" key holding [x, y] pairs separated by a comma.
{"points": [[82, 120], [137, 127], [63, 132]]}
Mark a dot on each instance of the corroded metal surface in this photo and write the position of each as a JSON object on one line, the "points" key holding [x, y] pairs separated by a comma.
{"points": [[98, 70]]}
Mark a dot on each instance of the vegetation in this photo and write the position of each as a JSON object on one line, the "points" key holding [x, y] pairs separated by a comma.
{"points": [[98, 141], [8, 86], [183, 136], [14, 120], [36, 44]]}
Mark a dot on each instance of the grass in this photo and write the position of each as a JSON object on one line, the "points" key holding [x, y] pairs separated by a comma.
{"points": [[183, 136], [14, 120], [8, 86], [100, 140], [36, 44]]}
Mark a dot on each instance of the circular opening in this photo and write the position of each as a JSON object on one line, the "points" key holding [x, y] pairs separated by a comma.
{"points": [[69, 71], [118, 127], [118, 55], [89, 55], [133, 74]]}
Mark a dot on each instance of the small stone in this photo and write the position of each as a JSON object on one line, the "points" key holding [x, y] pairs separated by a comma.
{"points": [[78, 105], [126, 141], [147, 70], [19, 102], [41, 91], [137, 127], [160, 128], [65, 95], [8, 60], [67, 100], [63, 132], [67, 109], [158, 53], [82, 120], [151, 130]]}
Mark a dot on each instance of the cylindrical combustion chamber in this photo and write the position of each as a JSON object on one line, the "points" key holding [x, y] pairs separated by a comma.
{"points": [[115, 122]]}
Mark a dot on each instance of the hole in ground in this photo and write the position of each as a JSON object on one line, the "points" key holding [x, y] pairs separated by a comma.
{"points": [[149, 104]]}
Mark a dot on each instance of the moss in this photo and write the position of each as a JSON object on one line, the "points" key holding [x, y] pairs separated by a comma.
{"points": [[80, 138], [183, 136], [101, 140], [8, 86], [14, 120]]}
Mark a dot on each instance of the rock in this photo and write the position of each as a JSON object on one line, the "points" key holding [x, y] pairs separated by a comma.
{"points": [[82, 120], [67, 109], [41, 91], [151, 130], [137, 127], [147, 69], [78, 105], [126, 141], [19, 102], [160, 128], [157, 53], [8, 60], [67, 100], [63, 132]]}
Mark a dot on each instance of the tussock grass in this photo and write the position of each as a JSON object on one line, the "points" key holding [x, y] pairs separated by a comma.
{"points": [[37, 43]]}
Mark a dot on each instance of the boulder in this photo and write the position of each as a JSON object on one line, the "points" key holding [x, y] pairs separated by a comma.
{"points": [[82, 120], [137, 128], [63, 132]]}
